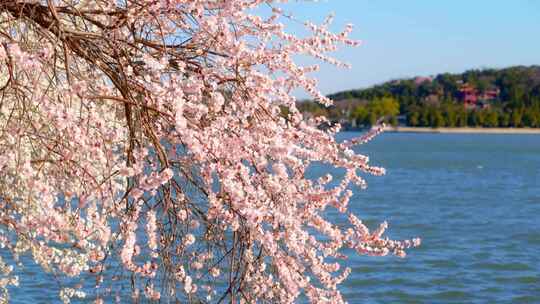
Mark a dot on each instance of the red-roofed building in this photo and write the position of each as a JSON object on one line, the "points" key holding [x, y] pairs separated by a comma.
{"points": [[469, 95], [489, 94]]}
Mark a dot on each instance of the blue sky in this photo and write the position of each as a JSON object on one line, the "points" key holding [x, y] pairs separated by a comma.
{"points": [[425, 37]]}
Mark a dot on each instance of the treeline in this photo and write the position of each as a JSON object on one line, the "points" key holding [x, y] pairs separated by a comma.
{"points": [[358, 113], [496, 98], [451, 114]]}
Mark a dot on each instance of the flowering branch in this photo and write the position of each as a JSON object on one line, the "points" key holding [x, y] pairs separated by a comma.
{"points": [[146, 138]]}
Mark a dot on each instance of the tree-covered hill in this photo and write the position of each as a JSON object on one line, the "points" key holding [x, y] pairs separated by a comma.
{"points": [[507, 97]]}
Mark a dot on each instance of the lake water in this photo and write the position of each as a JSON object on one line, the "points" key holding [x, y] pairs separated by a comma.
{"points": [[473, 199], [475, 202]]}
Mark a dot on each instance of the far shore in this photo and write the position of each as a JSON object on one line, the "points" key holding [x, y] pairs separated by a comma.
{"points": [[463, 130]]}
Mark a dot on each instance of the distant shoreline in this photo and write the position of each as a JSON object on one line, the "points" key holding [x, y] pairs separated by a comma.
{"points": [[463, 130]]}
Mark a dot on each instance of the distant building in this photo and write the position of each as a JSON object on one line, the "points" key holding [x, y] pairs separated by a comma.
{"points": [[489, 95], [469, 95], [472, 98], [483, 104]]}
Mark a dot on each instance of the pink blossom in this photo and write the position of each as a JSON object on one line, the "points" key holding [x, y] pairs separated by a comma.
{"points": [[189, 240]]}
